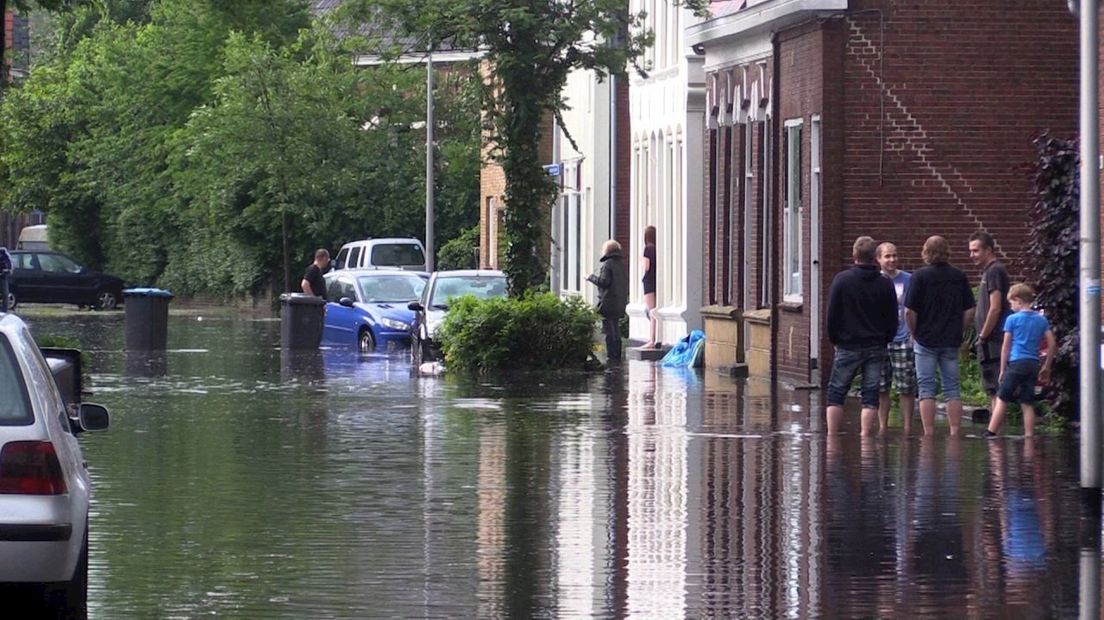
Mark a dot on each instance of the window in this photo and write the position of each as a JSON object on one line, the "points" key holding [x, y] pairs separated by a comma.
{"points": [[15, 407], [792, 214], [398, 255], [339, 262], [376, 289], [354, 258], [57, 263]]}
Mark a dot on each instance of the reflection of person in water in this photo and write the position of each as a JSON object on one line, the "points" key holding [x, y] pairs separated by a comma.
{"points": [[937, 549], [1022, 542], [860, 552]]}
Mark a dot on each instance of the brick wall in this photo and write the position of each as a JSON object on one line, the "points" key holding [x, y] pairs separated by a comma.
{"points": [[967, 86]]}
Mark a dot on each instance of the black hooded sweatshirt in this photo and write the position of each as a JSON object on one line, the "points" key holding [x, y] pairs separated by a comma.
{"points": [[862, 308]]}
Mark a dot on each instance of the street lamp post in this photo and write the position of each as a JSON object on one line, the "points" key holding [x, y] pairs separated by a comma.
{"points": [[429, 245], [1090, 256]]}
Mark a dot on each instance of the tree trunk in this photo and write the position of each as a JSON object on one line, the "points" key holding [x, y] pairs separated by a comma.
{"points": [[3, 44], [286, 225]]}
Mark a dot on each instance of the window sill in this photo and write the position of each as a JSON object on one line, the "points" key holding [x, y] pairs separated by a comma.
{"points": [[791, 305]]}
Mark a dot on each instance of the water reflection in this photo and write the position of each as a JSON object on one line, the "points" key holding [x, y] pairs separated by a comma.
{"points": [[245, 483]]}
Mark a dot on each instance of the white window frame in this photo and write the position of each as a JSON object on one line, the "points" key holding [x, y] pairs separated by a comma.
{"points": [[792, 218]]}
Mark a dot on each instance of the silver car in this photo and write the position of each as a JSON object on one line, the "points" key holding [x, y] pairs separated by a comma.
{"points": [[44, 486]]}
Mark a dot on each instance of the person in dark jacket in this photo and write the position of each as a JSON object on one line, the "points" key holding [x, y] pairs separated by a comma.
{"points": [[613, 295], [862, 320], [937, 305]]}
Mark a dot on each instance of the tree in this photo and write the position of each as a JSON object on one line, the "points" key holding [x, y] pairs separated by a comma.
{"points": [[531, 47]]}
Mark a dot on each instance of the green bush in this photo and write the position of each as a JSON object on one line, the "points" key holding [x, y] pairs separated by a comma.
{"points": [[537, 331], [461, 252]]}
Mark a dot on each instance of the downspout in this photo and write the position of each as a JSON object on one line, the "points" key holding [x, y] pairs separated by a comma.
{"points": [[776, 88], [613, 158]]}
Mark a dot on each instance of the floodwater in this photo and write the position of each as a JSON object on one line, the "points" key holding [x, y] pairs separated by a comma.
{"points": [[236, 482]]}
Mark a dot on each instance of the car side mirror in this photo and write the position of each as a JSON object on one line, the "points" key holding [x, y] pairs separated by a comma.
{"points": [[415, 306], [345, 301], [92, 417]]}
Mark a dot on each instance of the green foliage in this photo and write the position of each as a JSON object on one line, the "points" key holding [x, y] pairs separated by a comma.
{"points": [[531, 48], [1052, 258], [533, 332], [461, 252], [211, 146]]}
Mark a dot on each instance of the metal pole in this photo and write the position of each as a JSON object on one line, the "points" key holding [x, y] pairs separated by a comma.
{"points": [[1090, 252], [430, 250], [613, 159], [558, 243]]}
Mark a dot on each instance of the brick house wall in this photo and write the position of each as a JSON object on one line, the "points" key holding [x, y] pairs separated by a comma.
{"points": [[927, 115]]}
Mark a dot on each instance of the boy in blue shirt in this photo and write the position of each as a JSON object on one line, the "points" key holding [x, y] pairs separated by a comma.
{"points": [[1019, 362]]}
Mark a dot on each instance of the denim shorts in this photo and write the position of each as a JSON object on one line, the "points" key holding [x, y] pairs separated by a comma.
{"points": [[929, 361], [849, 362], [1018, 385]]}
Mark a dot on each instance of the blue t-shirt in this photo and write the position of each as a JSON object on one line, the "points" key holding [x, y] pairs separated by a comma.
{"points": [[900, 285], [1027, 329]]}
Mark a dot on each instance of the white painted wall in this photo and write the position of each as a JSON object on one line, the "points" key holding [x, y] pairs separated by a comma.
{"points": [[588, 123], [667, 111]]}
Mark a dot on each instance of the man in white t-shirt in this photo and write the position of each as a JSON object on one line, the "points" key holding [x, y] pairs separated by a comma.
{"points": [[901, 369]]}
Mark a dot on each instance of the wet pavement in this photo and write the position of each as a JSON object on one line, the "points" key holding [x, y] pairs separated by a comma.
{"points": [[239, 482]]}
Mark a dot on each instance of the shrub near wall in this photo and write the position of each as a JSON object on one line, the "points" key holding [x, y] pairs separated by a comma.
{"points": [[537, 331]]}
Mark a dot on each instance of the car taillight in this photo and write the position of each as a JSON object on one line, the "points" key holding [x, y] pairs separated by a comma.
{"points": [[30, 468]]}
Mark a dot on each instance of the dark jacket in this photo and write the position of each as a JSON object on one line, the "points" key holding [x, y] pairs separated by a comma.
{"points": [[940, 295], [862, 308], [613, 286]]}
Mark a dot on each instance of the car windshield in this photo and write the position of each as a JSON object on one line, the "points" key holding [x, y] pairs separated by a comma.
{"points": [[397, 255], [480, 287], [15, 410], [375, 289]]}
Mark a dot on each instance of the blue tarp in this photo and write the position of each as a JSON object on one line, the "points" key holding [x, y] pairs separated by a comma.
{"points": [[687, 353]]}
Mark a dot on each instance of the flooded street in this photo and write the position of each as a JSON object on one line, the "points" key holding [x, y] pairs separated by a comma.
{"points": [[237, 482]]}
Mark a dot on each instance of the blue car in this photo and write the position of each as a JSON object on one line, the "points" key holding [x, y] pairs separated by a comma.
{"points": [[368, 307]]}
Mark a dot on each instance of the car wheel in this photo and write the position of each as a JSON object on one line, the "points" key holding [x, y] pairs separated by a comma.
{"points": [[106, 300], [12, 301], [365, 341]]}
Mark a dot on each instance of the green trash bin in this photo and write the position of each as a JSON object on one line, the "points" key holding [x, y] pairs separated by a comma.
{"points": [[147, 318]]}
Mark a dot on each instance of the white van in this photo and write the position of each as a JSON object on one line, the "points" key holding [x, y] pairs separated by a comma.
{"points": [[33, 238], [392, 253]]}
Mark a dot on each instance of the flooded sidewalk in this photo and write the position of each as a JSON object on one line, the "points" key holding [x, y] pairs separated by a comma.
{"points": [[240, 482]]}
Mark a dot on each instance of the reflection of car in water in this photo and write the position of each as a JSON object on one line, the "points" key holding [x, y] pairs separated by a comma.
{"points": [[368, 308], [44, 484], [430, 309], [52, 277]]}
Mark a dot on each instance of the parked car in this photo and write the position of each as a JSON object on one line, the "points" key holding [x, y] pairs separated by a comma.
{"points": [[44, 486], [430, 309], [368, 307], [390, 253], [52, 277]]}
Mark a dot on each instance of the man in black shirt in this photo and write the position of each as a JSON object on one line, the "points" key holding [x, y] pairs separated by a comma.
{"points": [[992, 309], [313, 283], [862, 320], [936, 308]]}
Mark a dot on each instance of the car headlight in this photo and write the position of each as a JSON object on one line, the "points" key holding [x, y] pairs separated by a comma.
{"points": [[393, 324]]}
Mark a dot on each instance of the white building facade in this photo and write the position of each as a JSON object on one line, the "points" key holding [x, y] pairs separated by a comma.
{"points": [[667, 112], [581, 219]]}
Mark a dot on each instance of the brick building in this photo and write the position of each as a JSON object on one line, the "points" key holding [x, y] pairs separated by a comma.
{"points": [[830, 119]]}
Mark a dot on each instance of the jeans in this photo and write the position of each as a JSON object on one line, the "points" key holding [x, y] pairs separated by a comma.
{"points": [[928, 360], [612, 329], [846, 364]]}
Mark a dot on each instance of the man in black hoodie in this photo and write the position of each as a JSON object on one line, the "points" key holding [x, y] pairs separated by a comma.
{"points": [[613, 296], [862, 320]]}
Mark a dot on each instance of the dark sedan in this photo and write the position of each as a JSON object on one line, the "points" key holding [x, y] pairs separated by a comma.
{"points": [[52, 277]]}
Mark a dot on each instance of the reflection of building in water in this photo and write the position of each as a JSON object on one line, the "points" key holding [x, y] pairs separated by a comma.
{"points": [[491, 532], [657, 497], [580, 526]]}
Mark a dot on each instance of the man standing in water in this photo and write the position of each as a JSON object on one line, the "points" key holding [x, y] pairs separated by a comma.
{"points": [[313, 283], [900, 367], [862, 320], [992, 310]]}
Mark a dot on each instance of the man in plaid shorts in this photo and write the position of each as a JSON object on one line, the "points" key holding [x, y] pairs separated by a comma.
{"points": [[901, 369]]}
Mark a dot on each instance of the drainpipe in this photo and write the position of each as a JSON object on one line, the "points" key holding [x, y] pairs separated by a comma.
{"points": [[775, 144], [613, 158]]}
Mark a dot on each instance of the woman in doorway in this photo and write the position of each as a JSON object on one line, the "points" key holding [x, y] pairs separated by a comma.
{"points": [[648, 262]]}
